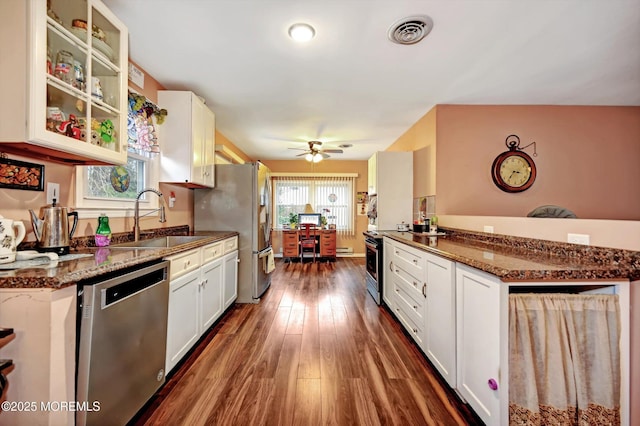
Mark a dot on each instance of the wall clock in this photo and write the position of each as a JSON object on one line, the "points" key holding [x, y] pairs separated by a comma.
{"points": [[513, 170]]}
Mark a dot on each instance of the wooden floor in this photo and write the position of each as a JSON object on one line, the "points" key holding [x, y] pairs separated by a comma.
{"points": [[316, 350]]}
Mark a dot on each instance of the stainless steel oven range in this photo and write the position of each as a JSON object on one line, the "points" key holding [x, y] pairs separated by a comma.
{"points": [[373, 247]]}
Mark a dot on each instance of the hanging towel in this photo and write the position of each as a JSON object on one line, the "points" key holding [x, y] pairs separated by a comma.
{"points": [[268, 263]]}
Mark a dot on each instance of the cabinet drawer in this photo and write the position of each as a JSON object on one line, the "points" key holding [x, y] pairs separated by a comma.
{"points": [[289, 236], [183, 263], [211, 252], [413, 284], [328, 236], [406, 299], [328, 251], [290, 252], [411, 259], [230, 244], [409, 324]]}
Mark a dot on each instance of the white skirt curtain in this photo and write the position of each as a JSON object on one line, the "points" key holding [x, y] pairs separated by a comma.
{"points": [[564, 359]]}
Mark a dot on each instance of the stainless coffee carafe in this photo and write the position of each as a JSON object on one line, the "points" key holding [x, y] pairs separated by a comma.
{"points": [[52, 228]]}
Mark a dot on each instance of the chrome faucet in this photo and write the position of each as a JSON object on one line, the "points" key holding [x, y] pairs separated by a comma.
{"points": [[136, 214]]}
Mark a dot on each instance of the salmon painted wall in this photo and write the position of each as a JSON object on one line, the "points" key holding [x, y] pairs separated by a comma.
{"points": [[421, 139], [587, 159], [328, 166], [222, 140]]}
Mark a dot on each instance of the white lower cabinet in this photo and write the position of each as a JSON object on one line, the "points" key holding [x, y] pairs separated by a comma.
{"points": [[479, 344], [203, 283], [230, 278], [459, 316], [419, 288], [440, 316], [182, 322], [211, 293]]}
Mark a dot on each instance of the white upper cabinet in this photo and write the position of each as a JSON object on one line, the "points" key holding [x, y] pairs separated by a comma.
{"points": [[63, 92], [187, 139]]}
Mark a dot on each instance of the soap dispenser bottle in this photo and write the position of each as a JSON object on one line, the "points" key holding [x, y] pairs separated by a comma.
{"points": [[103, 233]]}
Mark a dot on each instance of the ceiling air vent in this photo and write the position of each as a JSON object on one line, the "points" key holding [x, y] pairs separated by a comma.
{"points": [[410, 30]]}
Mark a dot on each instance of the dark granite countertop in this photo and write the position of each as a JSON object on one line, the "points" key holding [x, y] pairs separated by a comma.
{"points": [[515, 259], [59, 274]]}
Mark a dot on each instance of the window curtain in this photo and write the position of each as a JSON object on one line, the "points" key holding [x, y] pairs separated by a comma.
{"points": [[331, 196], [564, 359]]}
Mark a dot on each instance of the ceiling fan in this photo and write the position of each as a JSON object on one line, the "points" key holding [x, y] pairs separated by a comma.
{"points": [[314, 154]]}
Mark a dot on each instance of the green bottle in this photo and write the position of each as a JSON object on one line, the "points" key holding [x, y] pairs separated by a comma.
{"points": [[103, 233]]}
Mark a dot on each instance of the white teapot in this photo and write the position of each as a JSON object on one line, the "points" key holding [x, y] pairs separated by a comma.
{"points": [[9, 240]]}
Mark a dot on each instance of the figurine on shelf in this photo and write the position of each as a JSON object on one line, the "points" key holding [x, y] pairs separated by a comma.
{"points": [[107, 131], [69, 128]]}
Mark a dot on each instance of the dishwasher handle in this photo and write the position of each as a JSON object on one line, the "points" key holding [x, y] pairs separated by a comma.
{"points": [[116, 289]]}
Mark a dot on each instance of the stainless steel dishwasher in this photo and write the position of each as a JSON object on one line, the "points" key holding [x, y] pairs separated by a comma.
{"points": [[121, 343]]}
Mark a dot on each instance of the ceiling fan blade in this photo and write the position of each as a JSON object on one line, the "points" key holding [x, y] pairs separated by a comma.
{"points": [[299, 149], [300, 155], [333, 151], [324, 155]]}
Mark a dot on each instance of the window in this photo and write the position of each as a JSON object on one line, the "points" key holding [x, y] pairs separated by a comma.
{"points": [[113, 189], [331, 196]]}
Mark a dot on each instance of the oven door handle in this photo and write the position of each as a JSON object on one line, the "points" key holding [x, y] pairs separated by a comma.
{"points": [[371, 244]]}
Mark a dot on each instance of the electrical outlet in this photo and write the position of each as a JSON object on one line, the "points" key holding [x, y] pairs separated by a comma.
{"points": [[578, 239], [53, 191], [488, 229]]}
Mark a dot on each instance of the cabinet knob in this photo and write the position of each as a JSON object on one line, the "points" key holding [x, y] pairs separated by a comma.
{"points": [[493, 385], [415, 284], [415, 307], [415, 331], [415, 261]]}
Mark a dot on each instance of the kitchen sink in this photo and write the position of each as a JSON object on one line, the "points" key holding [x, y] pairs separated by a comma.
{"points": [[161, 242]]}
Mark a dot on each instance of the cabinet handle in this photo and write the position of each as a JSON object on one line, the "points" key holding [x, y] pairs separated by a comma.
{"points": [[424, 290], [493, 385], [391, 266]]}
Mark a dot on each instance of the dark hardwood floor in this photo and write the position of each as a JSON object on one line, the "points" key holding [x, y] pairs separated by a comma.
{"points": [[316, 350]]}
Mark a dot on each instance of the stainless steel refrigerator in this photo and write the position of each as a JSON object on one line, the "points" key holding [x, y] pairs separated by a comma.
{"points": [[240, 201]]}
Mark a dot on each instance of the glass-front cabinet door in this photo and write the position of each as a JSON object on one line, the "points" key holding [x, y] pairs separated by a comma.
{"points": [[76, 81]]}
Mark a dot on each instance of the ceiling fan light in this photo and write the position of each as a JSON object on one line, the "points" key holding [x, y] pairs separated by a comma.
{"points": [[317, 157], [309, 157], [301, 32]]}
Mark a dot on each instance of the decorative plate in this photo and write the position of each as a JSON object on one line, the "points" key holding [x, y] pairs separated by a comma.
{"points": [[120, 179]]}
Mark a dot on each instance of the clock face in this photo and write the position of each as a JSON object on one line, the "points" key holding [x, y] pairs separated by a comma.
{"points": [[513, 171]]}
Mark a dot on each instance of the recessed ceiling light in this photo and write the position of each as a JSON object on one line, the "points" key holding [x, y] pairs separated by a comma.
{"points": [[301, 32]]}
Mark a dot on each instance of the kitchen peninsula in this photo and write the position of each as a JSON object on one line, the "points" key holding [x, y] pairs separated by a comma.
{"points": [[456, 296]]}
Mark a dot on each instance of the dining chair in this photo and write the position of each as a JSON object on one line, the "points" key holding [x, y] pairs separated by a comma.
{"points": [[308, 241]]}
